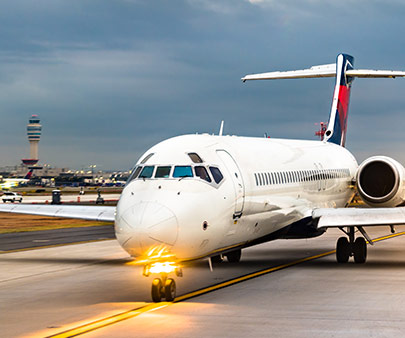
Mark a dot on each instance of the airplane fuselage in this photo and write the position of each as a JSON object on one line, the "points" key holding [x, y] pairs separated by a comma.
{"points": [[267, 186]]}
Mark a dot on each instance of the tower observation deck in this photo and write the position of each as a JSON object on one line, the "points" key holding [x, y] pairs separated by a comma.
{"points": [[34, 134]]}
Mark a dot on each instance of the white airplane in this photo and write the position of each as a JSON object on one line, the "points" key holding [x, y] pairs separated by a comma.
{"points": [[206, 196], [8, 183]]}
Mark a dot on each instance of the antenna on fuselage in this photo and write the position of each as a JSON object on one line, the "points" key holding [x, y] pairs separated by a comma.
{"points": [[221, 128]]}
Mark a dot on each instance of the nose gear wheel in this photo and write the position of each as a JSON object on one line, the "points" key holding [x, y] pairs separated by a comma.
{"points": [[163, 288]]}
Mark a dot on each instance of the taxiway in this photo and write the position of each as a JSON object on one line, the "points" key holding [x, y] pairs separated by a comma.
{"points": [[53, 291], [35, 239]]}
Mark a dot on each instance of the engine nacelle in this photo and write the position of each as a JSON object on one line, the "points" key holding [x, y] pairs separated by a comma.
{"points": [[380, 182]]}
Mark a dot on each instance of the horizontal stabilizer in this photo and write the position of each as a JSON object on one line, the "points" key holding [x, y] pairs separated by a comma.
{"points": [[315, 71], [324, 71], [94, 213], [368, 73]]}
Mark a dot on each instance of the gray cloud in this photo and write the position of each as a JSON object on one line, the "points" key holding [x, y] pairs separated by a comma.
{"points": [[110, 79]]}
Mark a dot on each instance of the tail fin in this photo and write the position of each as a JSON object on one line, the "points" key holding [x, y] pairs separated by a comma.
{"points": [[337, 125], [29, 174], [345, 74]]}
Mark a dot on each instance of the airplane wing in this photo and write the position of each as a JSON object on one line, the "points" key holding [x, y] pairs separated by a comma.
{"points": [[342, 217], [94, 213]]}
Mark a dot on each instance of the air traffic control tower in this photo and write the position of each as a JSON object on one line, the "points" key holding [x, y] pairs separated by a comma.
{"points": [[34, 134]]}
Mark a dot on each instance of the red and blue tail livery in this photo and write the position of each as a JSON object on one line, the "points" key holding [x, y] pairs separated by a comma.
{"points": [[345, 74], [337, 125], [29, 175]]}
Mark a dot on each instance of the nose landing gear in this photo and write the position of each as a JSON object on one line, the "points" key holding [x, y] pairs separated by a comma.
{"points": [[163, 287]]}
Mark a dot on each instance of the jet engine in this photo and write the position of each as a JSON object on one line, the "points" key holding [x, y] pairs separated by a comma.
{"points": [[380, 182]]}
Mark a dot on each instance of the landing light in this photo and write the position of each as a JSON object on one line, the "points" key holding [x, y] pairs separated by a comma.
{"points": [[165, 267], [158, 253], [158, 259]]}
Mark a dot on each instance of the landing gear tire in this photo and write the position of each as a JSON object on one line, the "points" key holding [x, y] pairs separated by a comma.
{"points": [[170, 290], [157, 290], [234, 256], [342, 250], [360, 250], [216, 259]]}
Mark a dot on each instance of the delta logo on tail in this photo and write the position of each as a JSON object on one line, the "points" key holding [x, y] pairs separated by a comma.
{"points": [[341, 98], [29, 175]]}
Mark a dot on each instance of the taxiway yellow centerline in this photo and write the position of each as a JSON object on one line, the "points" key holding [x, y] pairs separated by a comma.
{"points": [[98, 324]]}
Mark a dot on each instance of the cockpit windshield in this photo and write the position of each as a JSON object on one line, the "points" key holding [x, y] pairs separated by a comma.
{"points": [[163, 172], [202, 173], [147, 171], [209, 174], [182, 171]]}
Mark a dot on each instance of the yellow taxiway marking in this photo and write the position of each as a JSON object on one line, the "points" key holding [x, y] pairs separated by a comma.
{"points": [[110, 320], [55, 245], [98, 324]]}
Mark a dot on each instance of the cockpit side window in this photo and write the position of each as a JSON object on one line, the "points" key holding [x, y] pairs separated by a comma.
{"points": [[182, 171], [147, 171], [147, 158], [216, 174], [163, 172], [195, 158], [135, 173], [202, 173]]}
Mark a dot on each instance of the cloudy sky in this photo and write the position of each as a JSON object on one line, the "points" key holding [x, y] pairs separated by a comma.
{"points": [[110, 78]]}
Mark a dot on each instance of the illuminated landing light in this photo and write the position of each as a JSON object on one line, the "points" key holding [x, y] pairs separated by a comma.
{"points": [[158, 253], [165, 267]]}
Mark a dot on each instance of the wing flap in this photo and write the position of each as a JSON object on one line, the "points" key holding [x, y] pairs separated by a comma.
{"points": [[340, 217], [94, 213]]}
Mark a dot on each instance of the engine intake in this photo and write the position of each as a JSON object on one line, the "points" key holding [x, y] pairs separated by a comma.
{"points": [[380, 182]]}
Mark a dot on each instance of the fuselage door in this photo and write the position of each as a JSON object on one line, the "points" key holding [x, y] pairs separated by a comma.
{"points": [[235, 175]]}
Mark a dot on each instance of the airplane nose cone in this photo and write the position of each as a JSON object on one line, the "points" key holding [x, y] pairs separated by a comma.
{"points": [[152, 222]]}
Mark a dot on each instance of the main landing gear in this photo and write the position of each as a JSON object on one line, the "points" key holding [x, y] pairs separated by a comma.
{"points": [[347, 247], [163, 287]]}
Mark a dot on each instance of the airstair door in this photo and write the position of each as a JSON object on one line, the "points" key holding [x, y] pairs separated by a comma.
{"points": [[235, 175]]}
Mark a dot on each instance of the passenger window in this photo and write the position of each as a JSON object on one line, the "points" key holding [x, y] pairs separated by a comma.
{"points": [[182, 171], [216, 173], [147, 171], [163, 172], [195, 158], [202, 173], [147, 158]]}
